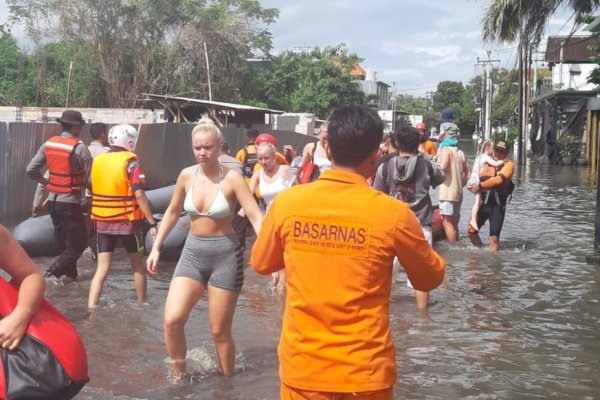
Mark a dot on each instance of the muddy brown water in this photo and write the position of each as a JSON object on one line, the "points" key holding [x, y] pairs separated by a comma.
{"points": [[521, 323]]}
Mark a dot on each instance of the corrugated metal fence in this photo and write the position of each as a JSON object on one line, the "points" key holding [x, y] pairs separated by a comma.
{"points": [[164, 149]]}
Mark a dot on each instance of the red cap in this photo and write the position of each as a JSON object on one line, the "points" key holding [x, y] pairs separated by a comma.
{"points": [[421, 126]]}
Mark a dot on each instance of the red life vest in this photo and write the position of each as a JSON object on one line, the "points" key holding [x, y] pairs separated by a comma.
{"points": [[62, 177], [50, 362]]}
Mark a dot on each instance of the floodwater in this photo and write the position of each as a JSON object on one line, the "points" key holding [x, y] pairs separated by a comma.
{"points": [[520, 323]]}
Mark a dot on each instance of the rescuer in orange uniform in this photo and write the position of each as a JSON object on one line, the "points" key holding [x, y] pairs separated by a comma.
{"points": [[425, 145], [119, 205], [338, 254], [496, 187], [69, 161]]}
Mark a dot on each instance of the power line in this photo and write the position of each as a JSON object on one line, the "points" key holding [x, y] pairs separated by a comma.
{"points": [[418, 88], [565, 24]]}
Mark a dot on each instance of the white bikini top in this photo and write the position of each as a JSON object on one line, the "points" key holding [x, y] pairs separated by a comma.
{"points": [[219, 207]]}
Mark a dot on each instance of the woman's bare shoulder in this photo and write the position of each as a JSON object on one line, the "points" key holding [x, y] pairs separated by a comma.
{"points": [[186, 174]]}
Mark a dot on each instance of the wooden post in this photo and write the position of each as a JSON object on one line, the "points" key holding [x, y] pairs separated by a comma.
{"points": [[588, 139], [597, 227], [594, 141]]}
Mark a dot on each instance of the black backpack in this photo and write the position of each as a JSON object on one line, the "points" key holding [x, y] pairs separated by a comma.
{"points": [[250, 160]]}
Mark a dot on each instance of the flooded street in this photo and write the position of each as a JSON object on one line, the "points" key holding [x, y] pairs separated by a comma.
{"points": [[522, 323]]}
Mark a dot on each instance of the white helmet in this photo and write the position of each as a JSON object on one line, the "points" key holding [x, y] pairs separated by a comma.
{"points": [[124, 136]]}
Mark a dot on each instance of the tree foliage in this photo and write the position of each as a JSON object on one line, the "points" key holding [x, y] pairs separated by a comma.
{"points": [[509, 20], [9, 69], [594, 50], [316, 81], [462, 100], [506, 98], [151, 45], [448, 94]]}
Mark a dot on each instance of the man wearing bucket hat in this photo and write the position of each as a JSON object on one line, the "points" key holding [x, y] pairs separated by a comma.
{"points": [[69, 161], [496, 187], [456, 169]]}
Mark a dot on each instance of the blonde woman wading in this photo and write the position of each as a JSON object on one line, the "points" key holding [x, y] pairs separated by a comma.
{"points": [[212, 258]]}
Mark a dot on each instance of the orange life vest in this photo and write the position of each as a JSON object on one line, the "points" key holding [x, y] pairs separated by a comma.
{"points": [[497, 182], [62, 178], [113, 198]]}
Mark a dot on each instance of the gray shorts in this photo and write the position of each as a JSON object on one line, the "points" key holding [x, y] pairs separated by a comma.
{"points": [[214, 260], [450, 208]]}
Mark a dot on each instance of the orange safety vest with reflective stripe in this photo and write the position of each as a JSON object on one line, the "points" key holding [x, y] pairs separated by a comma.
{"points": [[113, 198], [62, 178]]}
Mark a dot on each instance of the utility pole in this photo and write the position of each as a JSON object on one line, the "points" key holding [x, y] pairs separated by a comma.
{"points": [[43, 86], [19, 116], [523, 98], [429, 96], [69, 84], [560, 69], [207, 72], [488, 93]]}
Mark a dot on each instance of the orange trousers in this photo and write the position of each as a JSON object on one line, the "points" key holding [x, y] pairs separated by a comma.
{"points": [[290, 393]]}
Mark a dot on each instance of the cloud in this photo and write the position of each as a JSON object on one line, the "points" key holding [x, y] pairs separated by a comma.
{"points": [[427, 56], [450, 52], [410, 42], [402, 72]]}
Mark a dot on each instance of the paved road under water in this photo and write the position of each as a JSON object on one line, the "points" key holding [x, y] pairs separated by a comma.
{"points": [[521, 323]]}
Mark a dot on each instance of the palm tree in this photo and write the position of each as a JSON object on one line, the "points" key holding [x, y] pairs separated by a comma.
{"points": [[525, 20]]}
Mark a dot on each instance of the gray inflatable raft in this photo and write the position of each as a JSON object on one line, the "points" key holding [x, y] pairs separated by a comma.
{"points": [[173, 244], [160, 198], [36, 236]]}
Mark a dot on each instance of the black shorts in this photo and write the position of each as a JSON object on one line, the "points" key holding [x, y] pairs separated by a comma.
{"points": [[495, 214], [133, 243]]}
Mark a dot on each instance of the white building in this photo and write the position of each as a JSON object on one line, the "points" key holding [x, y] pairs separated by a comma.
{"points": [[569, 59]]}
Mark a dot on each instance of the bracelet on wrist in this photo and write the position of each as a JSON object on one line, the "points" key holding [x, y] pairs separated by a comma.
{"points": [[154, 225]]}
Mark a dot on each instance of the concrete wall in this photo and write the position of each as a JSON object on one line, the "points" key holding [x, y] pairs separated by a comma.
{"points": [[164, 149], [106, 115], [299, 123]]}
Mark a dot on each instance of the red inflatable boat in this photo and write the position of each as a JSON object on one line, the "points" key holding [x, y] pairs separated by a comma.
{"points": [[50, 362], [436, 228]]}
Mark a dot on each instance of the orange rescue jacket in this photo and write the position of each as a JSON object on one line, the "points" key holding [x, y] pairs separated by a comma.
{"points": [[113, 198], [62, 179], [338, 254], [498, 182]]}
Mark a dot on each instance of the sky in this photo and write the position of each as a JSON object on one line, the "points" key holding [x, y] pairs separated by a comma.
{"points": [[410, 44]]}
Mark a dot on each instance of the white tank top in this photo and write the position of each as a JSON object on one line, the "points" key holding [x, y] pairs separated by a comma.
{"points": [[267, 190]]}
